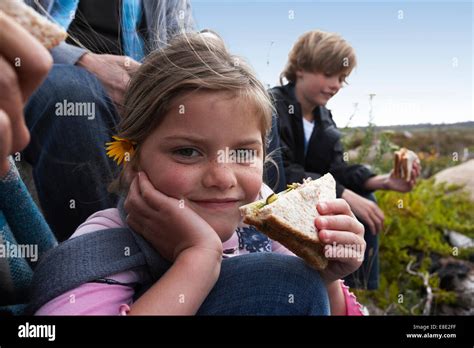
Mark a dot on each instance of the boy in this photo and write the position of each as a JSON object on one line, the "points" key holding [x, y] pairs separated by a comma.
{"points": [[317, 67]]}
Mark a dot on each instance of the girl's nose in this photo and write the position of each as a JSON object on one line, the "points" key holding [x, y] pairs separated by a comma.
{"points": [[219, 175]]}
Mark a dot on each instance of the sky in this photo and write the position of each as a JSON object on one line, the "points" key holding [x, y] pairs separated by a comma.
{"points": [[415, 56]]}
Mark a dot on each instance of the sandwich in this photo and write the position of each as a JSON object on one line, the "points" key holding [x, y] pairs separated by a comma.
{"points": [[403, 163], [46, 32], [288, 217]]}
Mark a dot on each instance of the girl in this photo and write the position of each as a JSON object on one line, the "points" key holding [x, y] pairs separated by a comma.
{"points": [[187, 105]]}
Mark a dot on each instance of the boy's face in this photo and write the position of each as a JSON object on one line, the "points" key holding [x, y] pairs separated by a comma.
{"points": [[317, 88], [189, 157]]}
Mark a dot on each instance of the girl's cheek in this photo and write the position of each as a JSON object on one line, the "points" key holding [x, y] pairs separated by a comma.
{"points": [[251, 182], [175, 180]]}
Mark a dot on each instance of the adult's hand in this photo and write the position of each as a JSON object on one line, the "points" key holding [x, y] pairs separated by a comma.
{"points": [[366, 210], [113, 72], [24, 63]]}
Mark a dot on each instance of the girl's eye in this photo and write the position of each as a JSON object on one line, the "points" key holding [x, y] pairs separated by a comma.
{"points": [[187, 152]]}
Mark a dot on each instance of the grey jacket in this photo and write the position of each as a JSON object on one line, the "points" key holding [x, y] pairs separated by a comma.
{"points": [[164, 18]]}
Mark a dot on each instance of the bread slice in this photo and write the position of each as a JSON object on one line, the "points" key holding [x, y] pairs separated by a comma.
{"points": [[403, 163], [46, 32], [290, 218]]}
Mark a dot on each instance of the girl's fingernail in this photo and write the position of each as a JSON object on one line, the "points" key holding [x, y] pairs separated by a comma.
{"points": [[323, 206], [324, 235], [323, 221]]}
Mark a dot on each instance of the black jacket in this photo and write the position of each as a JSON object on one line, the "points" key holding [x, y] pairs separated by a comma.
{"points": [[325, 150]]}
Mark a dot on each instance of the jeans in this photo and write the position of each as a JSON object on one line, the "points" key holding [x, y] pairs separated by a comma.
{"points": [[367, 276], [67, 150], [266, 284]]}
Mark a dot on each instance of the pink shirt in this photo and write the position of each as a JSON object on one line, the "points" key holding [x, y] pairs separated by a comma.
{"points": [[115, 299]]}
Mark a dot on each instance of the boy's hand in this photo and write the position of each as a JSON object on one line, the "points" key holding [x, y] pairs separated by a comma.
{"points": [[366, 210], [401, 185], [166, 223], [338, 228]]}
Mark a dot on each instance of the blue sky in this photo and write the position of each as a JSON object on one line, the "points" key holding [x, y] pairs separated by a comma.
{"points": [[416, 56]]}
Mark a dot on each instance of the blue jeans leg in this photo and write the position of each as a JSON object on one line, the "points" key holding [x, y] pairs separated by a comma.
{"points": [[70, 167], [266, 284], [367, 276]]}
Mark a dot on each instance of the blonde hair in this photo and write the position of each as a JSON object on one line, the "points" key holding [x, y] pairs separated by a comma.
{"points": [[319, 51], [191, 62]]}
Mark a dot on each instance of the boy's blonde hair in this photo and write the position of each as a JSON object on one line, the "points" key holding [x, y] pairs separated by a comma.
{"points": [[319, 51], [190, 62]]}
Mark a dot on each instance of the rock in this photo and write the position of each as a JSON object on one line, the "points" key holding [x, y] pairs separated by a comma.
{"points": [[457, 276], [408, 134], [462, 174], [459, 240]]}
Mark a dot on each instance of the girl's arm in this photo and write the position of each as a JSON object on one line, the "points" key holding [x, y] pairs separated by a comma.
{"points": [[182, 237], [184, 287], [338, 228], [337, 299]]}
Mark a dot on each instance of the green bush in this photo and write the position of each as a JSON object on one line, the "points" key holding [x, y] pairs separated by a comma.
{"points": [[414, 227]]}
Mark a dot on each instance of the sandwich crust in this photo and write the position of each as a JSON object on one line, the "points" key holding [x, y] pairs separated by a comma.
{"points": [[309, 249], [46, 32]]}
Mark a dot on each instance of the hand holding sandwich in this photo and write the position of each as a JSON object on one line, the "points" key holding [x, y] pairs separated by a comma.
{"points": [[395, 183], [24, 63], [402, 178], [337, 226]]}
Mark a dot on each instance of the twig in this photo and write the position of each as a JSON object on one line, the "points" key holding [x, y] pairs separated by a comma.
{"points": [[429, 291]]}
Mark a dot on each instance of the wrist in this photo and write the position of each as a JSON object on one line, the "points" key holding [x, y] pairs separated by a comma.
{"points": [[378, 182], [347, 195], [385, 182], [87, 61], [336, 297], [209, 259]]}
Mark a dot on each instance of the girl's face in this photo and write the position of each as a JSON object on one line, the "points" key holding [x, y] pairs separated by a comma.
{"points": [[317, 88], [192, 155]]}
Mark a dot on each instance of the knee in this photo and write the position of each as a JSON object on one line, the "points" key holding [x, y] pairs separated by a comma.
{"points": [[297, 284], [71, 83]]}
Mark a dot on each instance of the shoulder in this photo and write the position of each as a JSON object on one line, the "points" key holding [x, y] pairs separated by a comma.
{"points": [[103, 219], [326, 116], [279, 93]]}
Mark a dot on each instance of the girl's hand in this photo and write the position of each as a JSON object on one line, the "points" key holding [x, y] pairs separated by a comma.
{"points": [[343, 237], [167, 223]]}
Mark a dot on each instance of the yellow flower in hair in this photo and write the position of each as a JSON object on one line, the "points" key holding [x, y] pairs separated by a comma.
{"points": [[120, 149]]}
